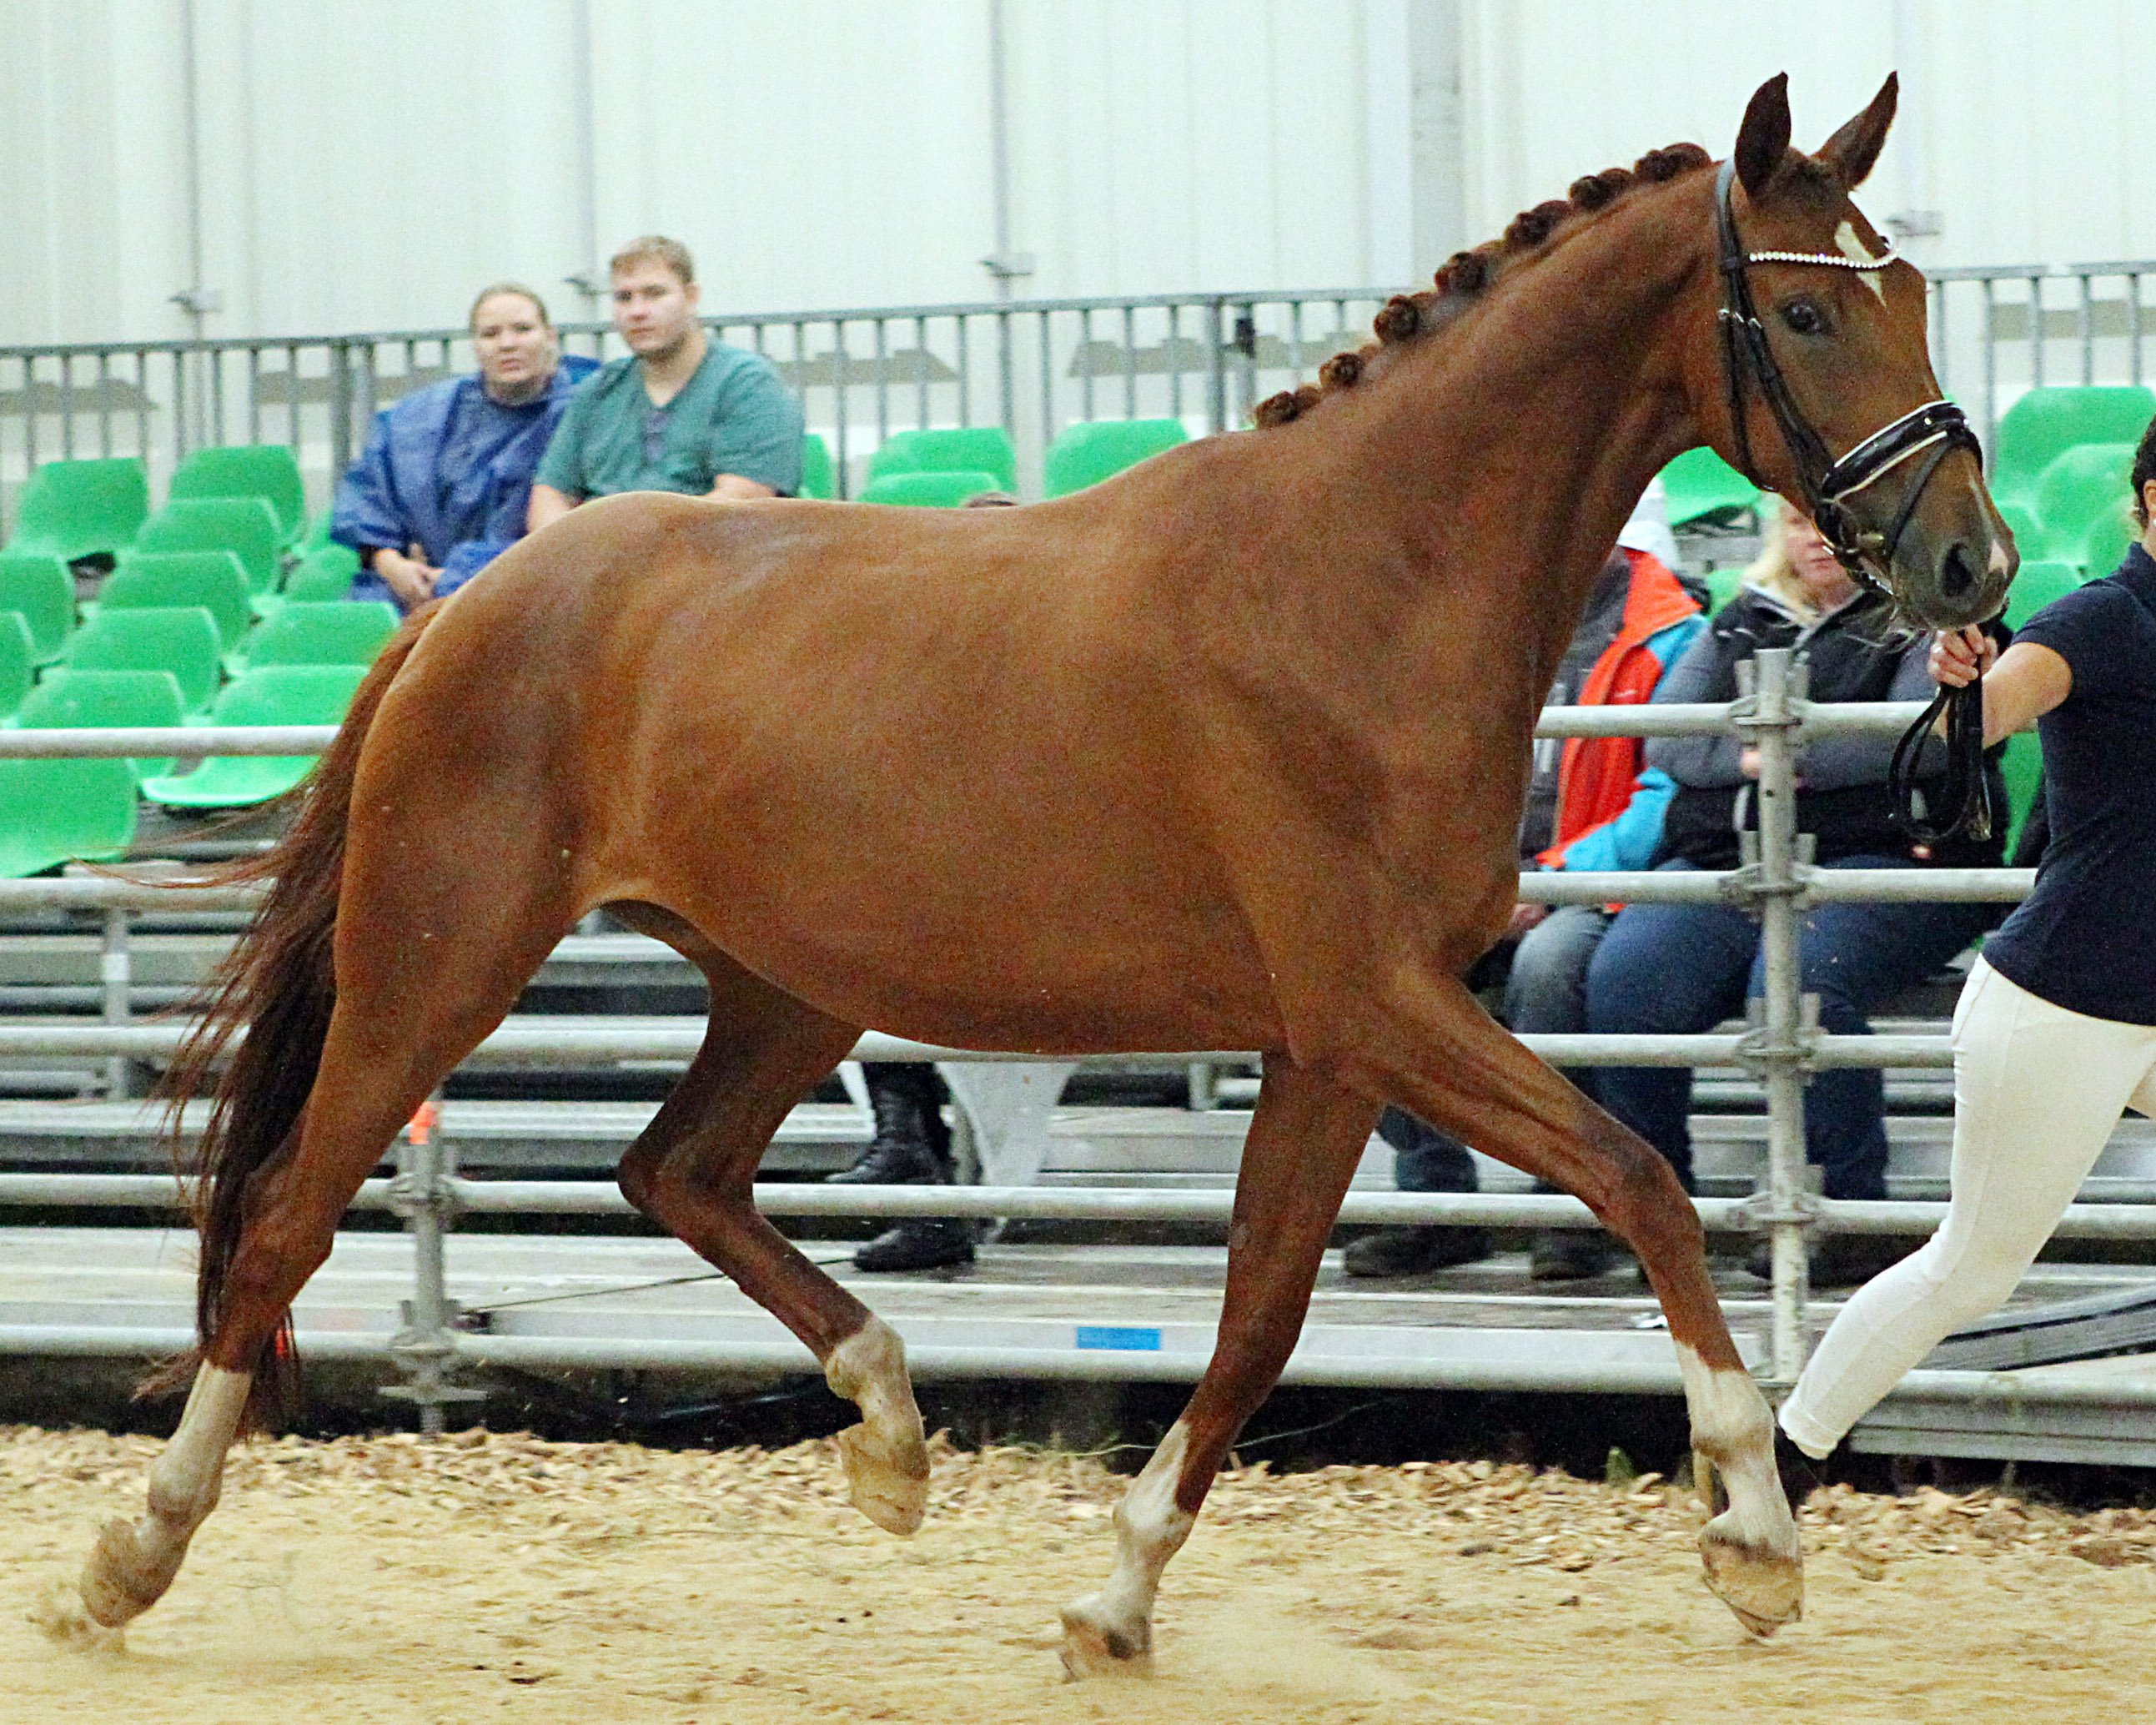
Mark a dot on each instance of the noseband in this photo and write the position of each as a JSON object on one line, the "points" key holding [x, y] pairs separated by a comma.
{"points": [[1937, 427]]}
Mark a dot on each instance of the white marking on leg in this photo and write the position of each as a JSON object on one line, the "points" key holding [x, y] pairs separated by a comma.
{"points": [[1114, 1626], [134, 1563], [886, 1454], [1753, 1556], [1857, 252]]}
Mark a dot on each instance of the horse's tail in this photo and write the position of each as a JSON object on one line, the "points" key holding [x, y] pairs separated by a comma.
{"points": [[278, 984]]}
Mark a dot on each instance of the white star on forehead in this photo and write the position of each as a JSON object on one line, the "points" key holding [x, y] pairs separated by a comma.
{"points": [[1860, 254]]}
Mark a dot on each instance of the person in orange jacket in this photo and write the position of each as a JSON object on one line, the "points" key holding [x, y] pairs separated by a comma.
{"points": [[1593, 803]]}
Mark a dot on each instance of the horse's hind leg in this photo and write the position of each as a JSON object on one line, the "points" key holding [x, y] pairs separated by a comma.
{"points": [[1476, 1081], [408, 1008], [692, 1169], [1304, 1142]]}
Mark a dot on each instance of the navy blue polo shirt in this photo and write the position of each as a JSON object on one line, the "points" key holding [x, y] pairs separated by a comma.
{"points": [[2085, 938]]}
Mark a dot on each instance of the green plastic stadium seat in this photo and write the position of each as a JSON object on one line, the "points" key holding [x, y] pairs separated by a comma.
{"points": [[318, 535], [274, 695], [181, 640], [69, 700], [325, 574], [265, 470], [1085, 453], [2103, 548], [2082, 483], [929, 490], [818, 479], [2036, 585], [328, 632], [40, 588], [971, 449], [2021, 765], [2046, 422], [2030, 538], [246, 527], [212, 579], [1722, 585], [1699, 484], [17, 666], [53, 812], [79, 509]]}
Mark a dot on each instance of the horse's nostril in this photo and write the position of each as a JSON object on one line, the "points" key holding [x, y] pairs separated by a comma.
{"points": [[1956, 576]]}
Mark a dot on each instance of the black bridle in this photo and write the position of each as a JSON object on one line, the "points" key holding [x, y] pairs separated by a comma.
{"points": [[1935, 431]]}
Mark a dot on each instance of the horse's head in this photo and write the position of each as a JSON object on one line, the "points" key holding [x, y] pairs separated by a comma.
{"points": [[1822, 388]]}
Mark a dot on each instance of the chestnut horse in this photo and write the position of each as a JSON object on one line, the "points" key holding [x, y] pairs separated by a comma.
{"points": [[1226, 752]]}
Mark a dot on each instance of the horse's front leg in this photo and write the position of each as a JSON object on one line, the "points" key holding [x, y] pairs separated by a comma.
{"points": [[1305, 1140], [133, 1563], [1469, 1077]]}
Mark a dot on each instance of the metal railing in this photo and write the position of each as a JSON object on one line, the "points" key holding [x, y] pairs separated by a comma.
{"points": [[1775, 880], [1999, 332], [1031, 366]]}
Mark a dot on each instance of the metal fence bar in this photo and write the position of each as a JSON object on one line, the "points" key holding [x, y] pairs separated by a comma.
{"points": [[1852, 718], [2089, 1220], [1778, 678], [1669, 886], [104, 743], [541, 1039]]}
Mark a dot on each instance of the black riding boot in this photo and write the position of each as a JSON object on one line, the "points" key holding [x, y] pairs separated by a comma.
{"points": [[911, 1147]]}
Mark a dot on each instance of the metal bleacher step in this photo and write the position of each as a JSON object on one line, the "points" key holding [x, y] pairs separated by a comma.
{"points": [[1097, 1145], [2094, 1327], [1040, 1300]]}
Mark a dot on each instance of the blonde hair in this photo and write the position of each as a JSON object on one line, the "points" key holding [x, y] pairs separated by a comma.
{"points": [[517, 288], [656, 249], [1772, 568], [1773, 572]]}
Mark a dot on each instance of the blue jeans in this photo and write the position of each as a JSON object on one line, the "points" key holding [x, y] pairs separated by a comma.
{"points": [[1679, 969], [1545, 994]]}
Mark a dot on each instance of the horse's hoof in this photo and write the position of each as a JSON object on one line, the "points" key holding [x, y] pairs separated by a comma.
{"points": [[1765, 1589], [121, 1580], [886, 1478], [1093, 1647]]}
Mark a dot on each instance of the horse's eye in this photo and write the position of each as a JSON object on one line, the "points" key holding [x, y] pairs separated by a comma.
{"points": [[1804, 317]]}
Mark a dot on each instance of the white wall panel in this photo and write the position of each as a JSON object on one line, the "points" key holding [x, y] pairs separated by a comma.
{"points": [[366, 163], [2034, 137]]}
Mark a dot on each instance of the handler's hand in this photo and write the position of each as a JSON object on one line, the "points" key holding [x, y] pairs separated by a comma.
{"points": [[410, 579], [1526, 917], [1958, 654]]}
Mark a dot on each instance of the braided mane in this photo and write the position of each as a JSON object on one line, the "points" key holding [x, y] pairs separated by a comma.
{"points": [[1458, 285]]}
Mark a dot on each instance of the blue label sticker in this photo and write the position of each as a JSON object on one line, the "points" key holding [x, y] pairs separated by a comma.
{"points": [[1127, 1338]]}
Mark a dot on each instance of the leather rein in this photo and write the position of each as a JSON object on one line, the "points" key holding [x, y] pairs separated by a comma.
{"points": [[1933, 431]]}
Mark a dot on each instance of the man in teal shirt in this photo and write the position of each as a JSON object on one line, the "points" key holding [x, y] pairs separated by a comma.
{"points": [[683, 413]]}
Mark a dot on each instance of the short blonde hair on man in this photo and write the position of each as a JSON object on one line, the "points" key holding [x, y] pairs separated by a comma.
{"points": [[656, 249], [517, 288]]}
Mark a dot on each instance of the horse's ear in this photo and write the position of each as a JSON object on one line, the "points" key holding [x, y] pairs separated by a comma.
{"points": [[1763, 139], [1849, 154]]}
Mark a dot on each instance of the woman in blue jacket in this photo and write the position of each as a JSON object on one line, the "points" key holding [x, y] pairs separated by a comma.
{"points": [[441, 489]]}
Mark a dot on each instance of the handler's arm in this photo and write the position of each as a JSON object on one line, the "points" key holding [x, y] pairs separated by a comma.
{"points": [[2020, 685], [733, 488]]}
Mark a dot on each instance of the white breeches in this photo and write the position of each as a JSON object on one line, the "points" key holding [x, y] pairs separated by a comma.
{"points": [[2037, 1090]]}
